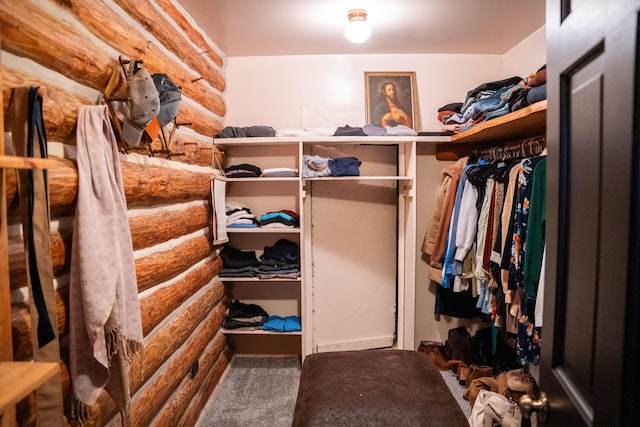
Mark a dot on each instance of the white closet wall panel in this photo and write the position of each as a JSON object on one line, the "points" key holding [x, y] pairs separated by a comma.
{"points": [[354, 254]]}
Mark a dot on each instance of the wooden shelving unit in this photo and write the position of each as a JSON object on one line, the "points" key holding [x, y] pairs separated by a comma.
{"points": [[14, 162], [18, 379], [257, 193], [524, 123], [278, 296]]}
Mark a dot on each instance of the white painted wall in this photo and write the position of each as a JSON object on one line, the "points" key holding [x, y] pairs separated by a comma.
{"points": [[279, 90], [328, 90], [527, 56]]}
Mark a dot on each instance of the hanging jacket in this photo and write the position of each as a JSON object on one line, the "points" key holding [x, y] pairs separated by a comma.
{"points": [[435, 240]]}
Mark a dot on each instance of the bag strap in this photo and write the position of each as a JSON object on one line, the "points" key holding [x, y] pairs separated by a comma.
{"points": [[29, 140]]}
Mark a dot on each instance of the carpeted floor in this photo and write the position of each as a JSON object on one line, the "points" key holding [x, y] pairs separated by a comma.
{"points": [[254, 391], [457, 390], [261, 391]]}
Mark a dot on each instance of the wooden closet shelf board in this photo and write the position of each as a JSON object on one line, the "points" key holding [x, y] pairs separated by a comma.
{"points": [[15, 162], [250, 331], [330, 140], [258, 230], [256, 279], [520, 124], [18, 379], [527, 122]]}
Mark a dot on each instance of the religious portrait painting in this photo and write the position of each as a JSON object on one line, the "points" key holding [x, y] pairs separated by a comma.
{"points": [[391, 99]]}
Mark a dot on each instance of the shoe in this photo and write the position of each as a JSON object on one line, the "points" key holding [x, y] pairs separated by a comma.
{"points": [[462, 373], [427, 346], [475, 371]]}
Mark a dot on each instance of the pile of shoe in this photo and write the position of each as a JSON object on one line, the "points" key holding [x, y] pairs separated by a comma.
{"points": [[457, 355]]}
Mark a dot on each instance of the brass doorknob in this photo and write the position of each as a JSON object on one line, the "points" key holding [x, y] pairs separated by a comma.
{"points": [[528, 405]]}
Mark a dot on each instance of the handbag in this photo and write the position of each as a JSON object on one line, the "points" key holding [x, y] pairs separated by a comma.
{"points": [[492, 408]]}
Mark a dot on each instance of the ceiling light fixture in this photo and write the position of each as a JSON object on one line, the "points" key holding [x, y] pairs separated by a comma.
{"points": [[357, 29]]}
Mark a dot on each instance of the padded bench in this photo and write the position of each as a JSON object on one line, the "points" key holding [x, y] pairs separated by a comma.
{"points": [[374, 388]]}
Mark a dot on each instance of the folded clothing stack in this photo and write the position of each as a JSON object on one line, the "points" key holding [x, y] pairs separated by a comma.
{"points": [[279, 172], [282, 324], [243, 170], [239, 215], [280, 219], [317, 166], [238, 263], [241, 315], [246, 131], [282, 260]]}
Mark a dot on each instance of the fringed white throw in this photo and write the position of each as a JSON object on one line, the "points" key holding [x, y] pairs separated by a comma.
{"points": [[105, 326]]}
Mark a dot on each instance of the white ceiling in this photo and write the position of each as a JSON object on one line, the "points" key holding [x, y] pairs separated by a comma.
{"points": [[316, 27]]}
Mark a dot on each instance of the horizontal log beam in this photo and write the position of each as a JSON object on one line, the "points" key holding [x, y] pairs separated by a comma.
{"points": [[194, 35], [60, 241], [63, 185], [201, 325], [60, 109], [21, 325], [181, 329], [158, 390], [157, 24], [159, 305], [26, 32], [192, 397], [149, 230], [146, 231], [149, 185], [59, 106], [153, 308], [162, 266], [144, 185], [208, 312]]}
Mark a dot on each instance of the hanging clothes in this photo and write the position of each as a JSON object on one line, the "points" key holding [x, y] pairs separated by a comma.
{"points": [[529, 334], [105, 328], [489, 224]]}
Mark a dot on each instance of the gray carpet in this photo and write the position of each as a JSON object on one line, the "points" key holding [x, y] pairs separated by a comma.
{"points": [[261, 391], [254, 391], [457, 391]]}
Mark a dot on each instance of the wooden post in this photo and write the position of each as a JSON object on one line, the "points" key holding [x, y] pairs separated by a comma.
{"points": [[7, 418]]}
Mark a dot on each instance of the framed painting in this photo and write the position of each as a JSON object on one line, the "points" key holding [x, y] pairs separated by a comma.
{"points": [[391, 98]]}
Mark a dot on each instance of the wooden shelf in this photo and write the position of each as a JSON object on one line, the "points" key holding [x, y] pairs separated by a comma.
{"points": [[358, 178], [330, 140], [320, 178], [18, 379], [15, 162], [262, 179], [266, 230], [257, 279], [524, 123], [256, 331]]}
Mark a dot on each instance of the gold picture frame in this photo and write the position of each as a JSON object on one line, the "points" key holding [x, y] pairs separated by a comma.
{"points": [[391, 99]]}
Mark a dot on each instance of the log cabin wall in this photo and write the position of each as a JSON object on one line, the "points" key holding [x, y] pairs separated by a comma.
{"points": [[69, 48]]}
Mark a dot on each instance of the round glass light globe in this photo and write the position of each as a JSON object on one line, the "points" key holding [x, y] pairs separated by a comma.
{"points": [[357, 31]]}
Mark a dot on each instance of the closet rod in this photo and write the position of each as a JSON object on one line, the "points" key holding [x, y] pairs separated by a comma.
{"points": [[524, 148]]}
